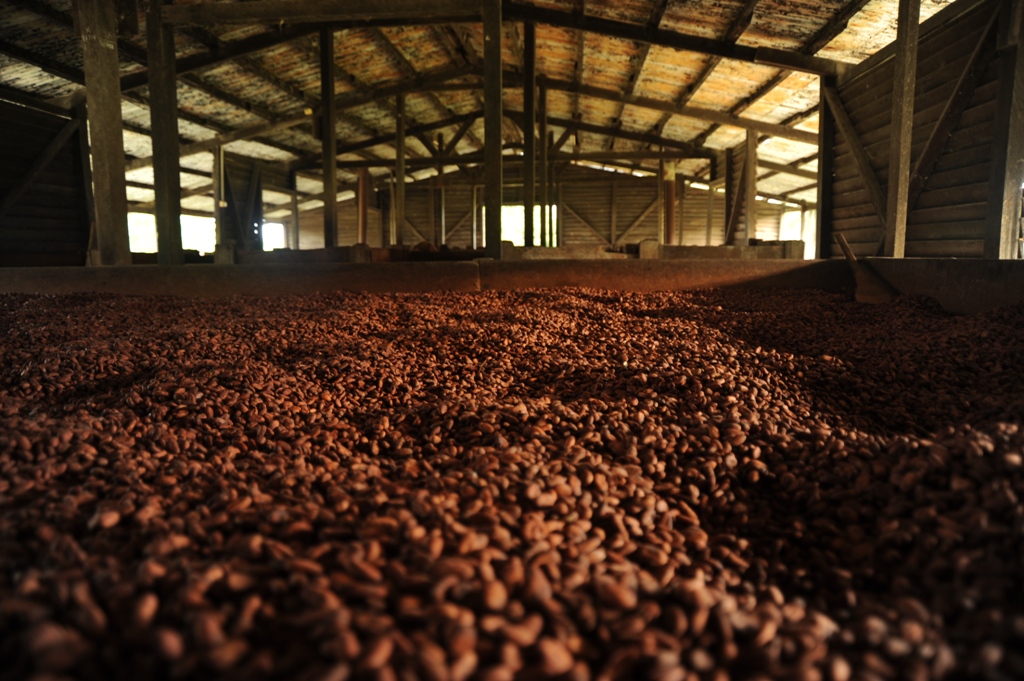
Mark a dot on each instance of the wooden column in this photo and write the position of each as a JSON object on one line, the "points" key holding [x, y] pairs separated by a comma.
{"points": [[529, 128], [711, 213], [218, 193], [554, 199], [902, 128], [399, 207], [668, 178], [442, 198], [826, 172], [730, 188], [329, 136], [543, 168], [476, 218], [492, 126], [662, 210], [1003, 222], [750, 188], [98, 23], [363, 198], [163, 114], [296, 231]]}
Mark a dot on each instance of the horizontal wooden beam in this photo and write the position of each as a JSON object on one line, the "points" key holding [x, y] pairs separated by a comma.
{"points": [[645, 138], [517, 11], [787, 170], [223, 53], [321, 11], [29, 101], [478, 157], [416, 12], [347, 101], [700, 113]]}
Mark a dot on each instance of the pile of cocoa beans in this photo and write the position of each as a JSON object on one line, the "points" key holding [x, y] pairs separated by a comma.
{"points": [[571, 484]]}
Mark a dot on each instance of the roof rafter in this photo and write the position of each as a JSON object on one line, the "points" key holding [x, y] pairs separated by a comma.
{"points": [[739, 25]]}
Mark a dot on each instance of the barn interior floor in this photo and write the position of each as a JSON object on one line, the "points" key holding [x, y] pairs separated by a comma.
{"points": [[496, 485]]}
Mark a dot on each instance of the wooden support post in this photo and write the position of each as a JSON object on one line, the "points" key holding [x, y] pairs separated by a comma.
{"points": [[98, 21], [554, 209], [219, 204], [476, 218], [329, 136], [296, 231], [662, 198], [613, 209], [730, 189], [82, 115], [441, 196], [543, 168], [363, 198], [826, 171], [529, 128], [750, 188], [668, 177], [163, 112], [1003, 222], [711, 214], [493, 115], [902, 127], [399, 206]]}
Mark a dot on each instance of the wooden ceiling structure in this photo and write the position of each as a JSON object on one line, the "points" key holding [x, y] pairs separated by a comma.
{"points": [[414, 87]]}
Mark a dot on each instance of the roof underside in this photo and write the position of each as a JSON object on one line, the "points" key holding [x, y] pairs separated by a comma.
{"points": [[41, 55]]}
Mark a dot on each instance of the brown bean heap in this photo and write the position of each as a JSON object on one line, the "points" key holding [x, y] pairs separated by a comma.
{"points": [[571, 484]]}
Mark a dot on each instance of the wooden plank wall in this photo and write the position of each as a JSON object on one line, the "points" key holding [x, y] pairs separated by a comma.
{"points": [[592, 204], [49, 224], [311, 227], [695, 228], [948, 220]]}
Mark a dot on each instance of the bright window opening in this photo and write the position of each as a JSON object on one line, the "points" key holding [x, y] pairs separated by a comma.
{"points": [[197, 233], [273, 236], [792, 229], [513, 225]]}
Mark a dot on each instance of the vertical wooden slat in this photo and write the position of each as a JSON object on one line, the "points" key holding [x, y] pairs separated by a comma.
{"points": [[543, 168], [329, 136], [163, 112], [363, 208], [750, 188], [826, 172], [82, 114], [399, 207], [902, 128], [296, 231], [1003, 222], [662, 198], [98, 21], [218, 193], [492, 126], [529, 128], [671, 202], [711, 214]]}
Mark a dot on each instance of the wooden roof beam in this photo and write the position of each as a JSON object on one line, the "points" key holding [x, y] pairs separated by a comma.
{"points": [[739, 24], [517, 11], [700, 113], [273, 11], [645, 51], [823, 37]]}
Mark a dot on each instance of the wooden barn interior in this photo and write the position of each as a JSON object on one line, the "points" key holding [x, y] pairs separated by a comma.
{"points": [[511, 339]]}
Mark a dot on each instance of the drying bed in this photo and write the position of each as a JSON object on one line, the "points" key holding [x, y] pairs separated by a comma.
{"points": [[574, 484]]}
